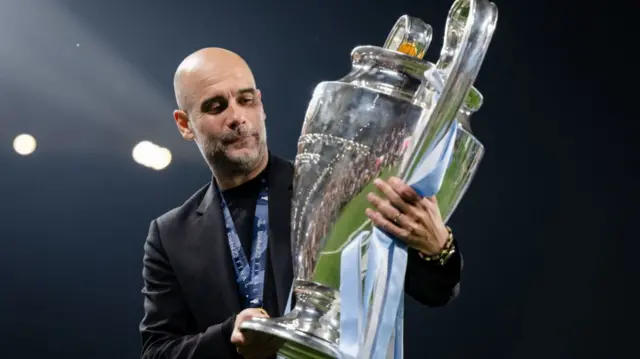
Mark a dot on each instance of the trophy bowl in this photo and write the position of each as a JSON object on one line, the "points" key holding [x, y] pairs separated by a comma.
{"points": [[376, 122]]}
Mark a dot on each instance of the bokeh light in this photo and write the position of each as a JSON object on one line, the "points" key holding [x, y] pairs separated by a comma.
{"points": [[24, 144], [151, 155]]}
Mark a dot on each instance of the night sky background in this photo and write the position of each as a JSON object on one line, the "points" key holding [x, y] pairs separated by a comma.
{"points": [[549, 251]]}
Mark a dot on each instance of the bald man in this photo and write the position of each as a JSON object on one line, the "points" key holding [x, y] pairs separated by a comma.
{"points": [[195, 294]]}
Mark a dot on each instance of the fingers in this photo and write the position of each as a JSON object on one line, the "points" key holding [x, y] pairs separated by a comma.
{"points": [[250, 313], [429, 204], [400, 213], [400, 195], [405, 191], [390, 193], [239, 338], [384, 207], [251, 344], [400, 199], [409, 217], [383, 223], [391, 219]]}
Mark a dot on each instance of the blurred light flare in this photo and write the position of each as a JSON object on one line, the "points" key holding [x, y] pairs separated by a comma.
{"points": [[60, 60], [150, 155], [145, 153], [24, 144]]}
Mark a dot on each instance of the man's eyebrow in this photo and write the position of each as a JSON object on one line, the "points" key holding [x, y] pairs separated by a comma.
{"points": [[247, 90], [206, 104]]}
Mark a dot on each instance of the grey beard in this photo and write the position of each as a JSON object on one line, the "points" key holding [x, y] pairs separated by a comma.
{"points": [[236, 166]]}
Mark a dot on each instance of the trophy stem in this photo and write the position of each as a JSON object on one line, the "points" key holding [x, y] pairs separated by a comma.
{"points": [[311, 329]]}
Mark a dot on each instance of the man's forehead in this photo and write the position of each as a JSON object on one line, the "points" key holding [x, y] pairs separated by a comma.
{"points": [[224, 89], [229, 81], [210, 72]]}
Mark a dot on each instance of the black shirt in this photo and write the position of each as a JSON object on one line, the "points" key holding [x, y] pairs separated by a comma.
{"points": [[241, 201]]}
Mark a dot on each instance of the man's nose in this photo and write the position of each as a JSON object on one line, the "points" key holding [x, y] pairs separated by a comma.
{"points": [[236, 115]]}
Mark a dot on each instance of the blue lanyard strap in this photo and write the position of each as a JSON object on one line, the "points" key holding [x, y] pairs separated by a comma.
{"points": [[250, 276]]}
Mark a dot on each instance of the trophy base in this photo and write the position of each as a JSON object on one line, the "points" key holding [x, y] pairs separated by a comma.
{"points": [[311, 329]]}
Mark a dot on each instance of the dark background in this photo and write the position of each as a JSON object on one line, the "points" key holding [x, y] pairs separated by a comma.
{"points": [[549, 260]]}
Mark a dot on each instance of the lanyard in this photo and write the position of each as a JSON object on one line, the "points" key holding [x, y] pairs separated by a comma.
{"points": [[250, 276]]}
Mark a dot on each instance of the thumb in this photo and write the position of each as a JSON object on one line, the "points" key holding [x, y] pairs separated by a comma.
{"points": [[237, 338]]}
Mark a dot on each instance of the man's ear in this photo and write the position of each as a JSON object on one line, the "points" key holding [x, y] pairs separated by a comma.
{"points": [[259, 97], [184, 126]]}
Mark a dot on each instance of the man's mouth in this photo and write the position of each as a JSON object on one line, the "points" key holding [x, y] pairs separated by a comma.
{"points": [[238, 139]]}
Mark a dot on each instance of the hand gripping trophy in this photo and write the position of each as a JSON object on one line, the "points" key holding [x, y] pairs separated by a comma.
{"points": [[394, 114]]}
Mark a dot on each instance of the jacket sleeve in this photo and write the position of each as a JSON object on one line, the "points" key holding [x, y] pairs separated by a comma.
{"points": [[167, 319], [430, 283]]}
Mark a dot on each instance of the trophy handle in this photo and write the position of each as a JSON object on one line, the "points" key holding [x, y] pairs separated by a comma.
{"points": [[469, 28]]}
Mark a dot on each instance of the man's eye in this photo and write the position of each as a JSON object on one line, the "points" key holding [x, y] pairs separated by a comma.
{"points": [[217, 107], [246, 100]]}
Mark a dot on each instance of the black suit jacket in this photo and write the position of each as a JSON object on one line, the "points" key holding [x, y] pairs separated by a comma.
{"points": [[190, 291]]}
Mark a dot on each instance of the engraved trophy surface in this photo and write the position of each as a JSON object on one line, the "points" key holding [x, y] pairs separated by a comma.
{"points": [[378, 121]]}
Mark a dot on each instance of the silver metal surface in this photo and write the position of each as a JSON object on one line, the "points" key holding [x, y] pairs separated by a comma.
{"points": [[310, 330], [376, 122]]}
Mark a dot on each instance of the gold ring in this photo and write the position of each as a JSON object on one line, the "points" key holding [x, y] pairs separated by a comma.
{"points": [[395, 220]]}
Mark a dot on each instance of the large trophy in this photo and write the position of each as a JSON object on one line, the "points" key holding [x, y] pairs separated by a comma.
{"points": [[380, 120]]}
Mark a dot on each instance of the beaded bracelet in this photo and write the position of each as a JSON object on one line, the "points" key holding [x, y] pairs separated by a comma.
{"points": [[445, 253]]}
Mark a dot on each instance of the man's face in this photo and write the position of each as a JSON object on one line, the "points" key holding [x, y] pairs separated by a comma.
{"points": [[226, 119]]}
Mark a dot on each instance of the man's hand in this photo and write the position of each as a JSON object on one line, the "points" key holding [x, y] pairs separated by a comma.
{"points": [[410, 218], [250, 344]]}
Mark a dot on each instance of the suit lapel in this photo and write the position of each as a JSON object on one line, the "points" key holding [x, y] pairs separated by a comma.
{"points": [[280, 179], [210, 247], [213, 243]]}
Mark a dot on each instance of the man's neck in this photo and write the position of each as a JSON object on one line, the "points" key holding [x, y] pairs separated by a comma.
{"points": [[230, 180]]}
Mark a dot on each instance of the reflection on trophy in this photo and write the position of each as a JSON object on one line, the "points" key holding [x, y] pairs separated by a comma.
{"points": [[378, 121]]}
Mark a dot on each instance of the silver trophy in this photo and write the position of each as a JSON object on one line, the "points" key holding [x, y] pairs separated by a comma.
{"points": [[378, 121]]}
